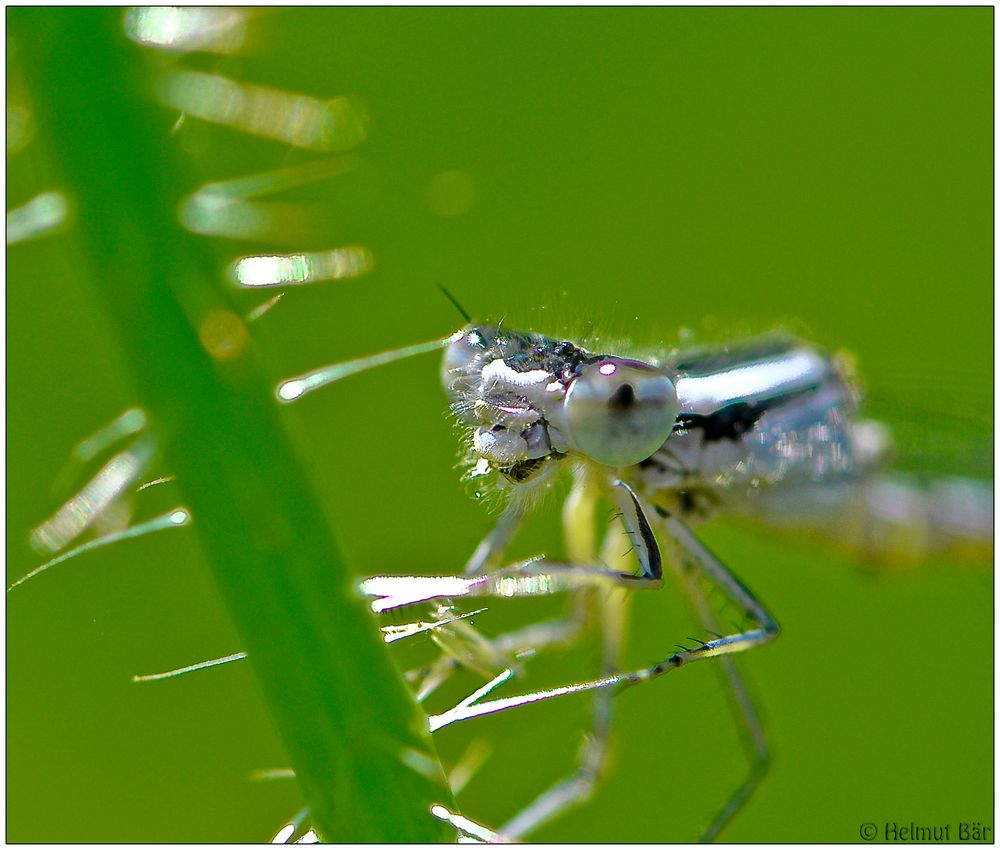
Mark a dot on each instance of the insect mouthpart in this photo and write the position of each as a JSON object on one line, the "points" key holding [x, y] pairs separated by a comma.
{"points": [[518, 457]]}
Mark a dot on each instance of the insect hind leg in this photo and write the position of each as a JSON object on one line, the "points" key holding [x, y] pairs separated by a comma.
{"points": [[752, 731]]}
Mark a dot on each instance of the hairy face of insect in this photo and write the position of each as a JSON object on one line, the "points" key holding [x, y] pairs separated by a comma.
{"points": [[531, 399], [619, 412]]}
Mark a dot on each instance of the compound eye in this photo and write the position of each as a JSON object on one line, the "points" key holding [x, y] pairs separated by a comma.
{"points": [[620, 412]]}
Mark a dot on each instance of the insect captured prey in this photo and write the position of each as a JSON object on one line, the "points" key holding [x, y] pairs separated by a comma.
{"points": [[767, 430]]}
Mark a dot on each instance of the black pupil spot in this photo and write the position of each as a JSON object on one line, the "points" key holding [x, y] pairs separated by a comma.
{"points": [[622, 398]]}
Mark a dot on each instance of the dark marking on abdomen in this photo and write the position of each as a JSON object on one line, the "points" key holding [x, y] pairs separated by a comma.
{"points": [[734, 420]]}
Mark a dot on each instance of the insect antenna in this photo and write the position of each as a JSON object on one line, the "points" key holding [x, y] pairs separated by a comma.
{"points": [[454, 302]]}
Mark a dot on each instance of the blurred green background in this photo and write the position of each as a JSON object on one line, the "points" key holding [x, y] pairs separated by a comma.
{"points": [[633, 172]]}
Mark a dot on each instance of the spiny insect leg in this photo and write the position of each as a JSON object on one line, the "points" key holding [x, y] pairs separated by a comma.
{"points": [[692, 555], [744, 710]]}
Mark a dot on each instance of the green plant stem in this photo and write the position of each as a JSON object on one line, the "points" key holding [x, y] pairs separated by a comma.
{"points": [[343, 711]]}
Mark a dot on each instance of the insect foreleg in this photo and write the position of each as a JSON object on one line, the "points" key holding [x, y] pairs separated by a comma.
{"points": [[698, 557], [690, 553], [692, 559]]}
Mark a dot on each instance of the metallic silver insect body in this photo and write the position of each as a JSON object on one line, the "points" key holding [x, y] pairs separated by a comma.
{"points": [[766, 430], [736, 430]]}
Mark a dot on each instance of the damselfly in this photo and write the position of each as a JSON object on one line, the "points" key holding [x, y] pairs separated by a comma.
{"points": [[767, 429]]}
